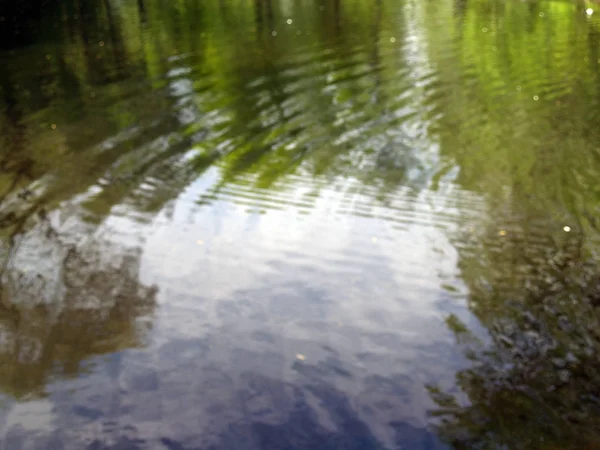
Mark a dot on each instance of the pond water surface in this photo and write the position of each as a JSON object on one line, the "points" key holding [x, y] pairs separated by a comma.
{"points": [[328, 224]]}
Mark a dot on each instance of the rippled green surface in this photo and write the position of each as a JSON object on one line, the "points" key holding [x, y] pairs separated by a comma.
{"points": [[339, 224]]}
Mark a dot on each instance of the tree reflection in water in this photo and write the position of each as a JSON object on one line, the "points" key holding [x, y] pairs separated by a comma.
{"points": [[535, 383], [130, 102], [83, 300]]}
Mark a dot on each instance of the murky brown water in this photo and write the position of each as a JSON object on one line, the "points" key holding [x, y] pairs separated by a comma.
{"points": [[300, 225]]}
